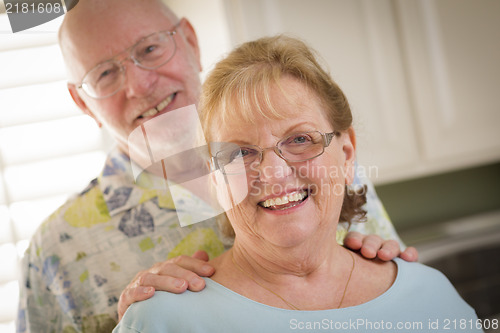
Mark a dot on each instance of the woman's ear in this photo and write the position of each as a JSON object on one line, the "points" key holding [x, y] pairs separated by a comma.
{"points": [[349, 150], [81, 104]]}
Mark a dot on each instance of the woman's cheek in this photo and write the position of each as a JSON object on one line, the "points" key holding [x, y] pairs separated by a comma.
{"points": [[242, 216]]}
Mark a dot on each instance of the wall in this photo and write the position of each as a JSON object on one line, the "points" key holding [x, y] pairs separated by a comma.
{"points": [[439, 198]]}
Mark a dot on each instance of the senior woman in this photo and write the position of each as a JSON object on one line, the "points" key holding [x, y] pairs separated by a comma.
{"points": [[290, 150]]}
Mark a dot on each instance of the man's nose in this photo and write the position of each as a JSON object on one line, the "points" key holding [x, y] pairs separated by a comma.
{"points": [[139, 82], [273, 168]]}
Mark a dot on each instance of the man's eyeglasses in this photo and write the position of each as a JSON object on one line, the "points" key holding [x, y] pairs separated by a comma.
{"points": [[234, 159], [151, 52]]}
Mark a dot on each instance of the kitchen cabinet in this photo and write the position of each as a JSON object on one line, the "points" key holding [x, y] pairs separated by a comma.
{"points": [[452, 54], [422, 76]]}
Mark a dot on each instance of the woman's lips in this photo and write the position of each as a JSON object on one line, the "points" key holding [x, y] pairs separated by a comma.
{"points": [[285, 201]]}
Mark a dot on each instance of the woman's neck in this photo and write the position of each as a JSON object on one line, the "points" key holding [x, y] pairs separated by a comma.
{"points": [[303, 277], [275, 264]]}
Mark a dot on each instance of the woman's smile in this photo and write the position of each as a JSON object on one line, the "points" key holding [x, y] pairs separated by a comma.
{"points": [[285, 202]]}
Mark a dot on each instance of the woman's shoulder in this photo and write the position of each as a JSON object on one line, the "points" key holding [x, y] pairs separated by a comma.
{"points": [[398, 283], [155, 306], [164, 312], [397, 273], [398, 279], [162, 300], [421, 274], [371, 278], [429, 288], [424, 279]]}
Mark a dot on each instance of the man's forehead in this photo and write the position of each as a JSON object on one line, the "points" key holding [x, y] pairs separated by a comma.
{"points": [[125, 22], [94, 32]]}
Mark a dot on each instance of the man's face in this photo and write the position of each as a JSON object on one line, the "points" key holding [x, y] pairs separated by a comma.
{"points": [[98, 36]]}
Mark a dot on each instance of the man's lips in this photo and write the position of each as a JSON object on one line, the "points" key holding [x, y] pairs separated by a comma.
{"points": [[285, 201], [155, 110]]}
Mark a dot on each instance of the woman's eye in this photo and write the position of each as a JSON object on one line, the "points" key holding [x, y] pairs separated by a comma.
{"points": [[245, 152], [299, 139], [236, 154]]}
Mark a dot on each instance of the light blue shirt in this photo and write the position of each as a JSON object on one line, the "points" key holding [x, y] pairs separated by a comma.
{"points": [[420, 300]]}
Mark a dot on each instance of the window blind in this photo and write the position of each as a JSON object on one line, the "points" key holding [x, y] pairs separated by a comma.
{"points": [[48, 148]]}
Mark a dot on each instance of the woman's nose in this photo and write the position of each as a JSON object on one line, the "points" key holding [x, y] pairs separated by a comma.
{"points": [[139, 82], [272, 167]]}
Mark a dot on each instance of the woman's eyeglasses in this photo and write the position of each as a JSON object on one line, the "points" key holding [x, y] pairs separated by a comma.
{"points": [[234, 159]]}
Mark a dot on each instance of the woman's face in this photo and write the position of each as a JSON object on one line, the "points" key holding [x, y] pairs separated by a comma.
{"points": [[288, 203]]}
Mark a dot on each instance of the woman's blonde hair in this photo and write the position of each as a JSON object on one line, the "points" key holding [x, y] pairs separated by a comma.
{"points": [[240, 84]]}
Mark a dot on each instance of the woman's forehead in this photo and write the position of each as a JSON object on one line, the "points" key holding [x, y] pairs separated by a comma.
{"points": [[292, 120], [284, 99]]}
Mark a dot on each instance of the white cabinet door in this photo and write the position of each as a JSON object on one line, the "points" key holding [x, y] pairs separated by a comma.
{"points": [[452, 50], [358, 40]]}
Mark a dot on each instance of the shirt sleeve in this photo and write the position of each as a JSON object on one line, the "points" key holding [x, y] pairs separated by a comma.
{"points": [[39, 310]]}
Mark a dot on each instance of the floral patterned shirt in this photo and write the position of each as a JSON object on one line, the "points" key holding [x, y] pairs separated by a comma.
{"points": [[84, 254]]}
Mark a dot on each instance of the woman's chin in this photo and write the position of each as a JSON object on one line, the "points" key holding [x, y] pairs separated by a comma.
{"points": [[289, 227]]}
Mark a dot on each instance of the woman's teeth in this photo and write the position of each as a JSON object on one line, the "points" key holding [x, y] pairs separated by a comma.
{"points": [[292, 197], [163, 104]]}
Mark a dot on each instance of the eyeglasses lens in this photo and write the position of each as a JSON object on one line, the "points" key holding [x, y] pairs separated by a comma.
{"points": [[150, 53]]}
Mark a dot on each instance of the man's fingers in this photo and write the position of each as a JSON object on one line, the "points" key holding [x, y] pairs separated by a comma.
{"points": [[367, 244], [389, 250], [170, 282], [192, 264], [353, 240], [132, 295], [371, 245], [201, 255], [173, 279], [172, 274], [409, 254], [175, 275]]}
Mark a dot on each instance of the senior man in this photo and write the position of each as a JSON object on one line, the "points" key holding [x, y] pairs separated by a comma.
{"points": [[108, 246]]}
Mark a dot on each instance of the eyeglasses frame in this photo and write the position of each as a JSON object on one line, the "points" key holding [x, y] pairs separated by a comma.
{"points": [[170, 32], [327, 139]]}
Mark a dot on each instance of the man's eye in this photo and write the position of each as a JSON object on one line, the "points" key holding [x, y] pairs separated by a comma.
{"points": [[106, 75], [149, 49]]}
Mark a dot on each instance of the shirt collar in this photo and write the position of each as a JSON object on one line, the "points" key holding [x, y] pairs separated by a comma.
{"points": [[121, 192]]}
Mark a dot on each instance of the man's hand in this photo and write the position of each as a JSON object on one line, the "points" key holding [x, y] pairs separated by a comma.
{"points": [[174, 275], [372, 246]]}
